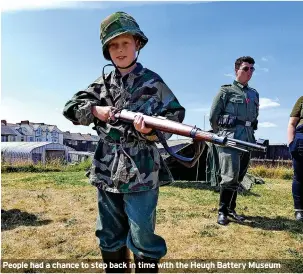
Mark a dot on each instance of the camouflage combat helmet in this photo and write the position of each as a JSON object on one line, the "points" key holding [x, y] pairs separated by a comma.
{"points": [[116, 24]]}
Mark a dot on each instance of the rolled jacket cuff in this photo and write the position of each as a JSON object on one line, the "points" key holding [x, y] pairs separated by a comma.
{"points": [[84, 113]]}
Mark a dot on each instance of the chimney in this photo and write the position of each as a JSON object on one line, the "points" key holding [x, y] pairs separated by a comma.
{"points": [[3, 122], [25, 122]]}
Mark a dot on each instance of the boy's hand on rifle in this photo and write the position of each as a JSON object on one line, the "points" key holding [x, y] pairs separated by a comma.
{"points": [[139, 125], [104, 114]]}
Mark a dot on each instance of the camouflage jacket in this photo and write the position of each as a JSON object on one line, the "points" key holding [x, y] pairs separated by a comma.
{"points": [[238, 101], [125, 160]]}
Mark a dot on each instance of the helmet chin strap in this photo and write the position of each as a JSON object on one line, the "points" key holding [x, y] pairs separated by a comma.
{"points": [[113, 64]]}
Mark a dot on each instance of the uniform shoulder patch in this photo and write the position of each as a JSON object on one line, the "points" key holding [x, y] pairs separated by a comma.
{"points": [[226, 85]]}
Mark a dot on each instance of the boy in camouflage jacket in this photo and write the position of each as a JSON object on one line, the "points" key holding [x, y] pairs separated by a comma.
{"points": [[127, 168]]}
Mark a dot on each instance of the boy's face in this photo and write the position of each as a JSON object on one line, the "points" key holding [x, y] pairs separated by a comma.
{"points": [[122, 50]]}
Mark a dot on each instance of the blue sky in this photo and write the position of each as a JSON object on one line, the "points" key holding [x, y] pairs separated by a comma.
{"points": [[48, 54]]}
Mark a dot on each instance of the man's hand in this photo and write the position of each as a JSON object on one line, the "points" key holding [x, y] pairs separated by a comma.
{"points": [[104, 113], [139, 125]]}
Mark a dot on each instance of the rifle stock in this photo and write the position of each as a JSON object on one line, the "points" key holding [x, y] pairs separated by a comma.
{"points": [[169, 126]]}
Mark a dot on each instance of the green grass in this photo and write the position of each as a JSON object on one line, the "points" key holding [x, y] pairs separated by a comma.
{"points": [[34, 181], [53, 216]]}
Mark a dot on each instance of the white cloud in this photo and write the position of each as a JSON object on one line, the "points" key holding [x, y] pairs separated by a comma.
{"points": [[267, 124], [14, 5], [268, 103], [59, 110], [260, 68], [264, 69], [18, 5], [229, 75], [268, 58]]}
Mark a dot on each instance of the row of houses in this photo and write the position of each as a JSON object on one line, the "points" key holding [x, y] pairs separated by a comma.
{"points": [[80, 141], [27, 131]]}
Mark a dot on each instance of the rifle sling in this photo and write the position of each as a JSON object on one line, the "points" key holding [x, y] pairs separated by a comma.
{"points": [[188, 162]]}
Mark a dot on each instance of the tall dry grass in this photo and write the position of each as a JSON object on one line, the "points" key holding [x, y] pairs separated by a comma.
{"points": [[266, 170]]}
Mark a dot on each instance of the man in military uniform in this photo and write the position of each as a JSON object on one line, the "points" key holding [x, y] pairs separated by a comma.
{"points": [[234, 114], [127, 168]]}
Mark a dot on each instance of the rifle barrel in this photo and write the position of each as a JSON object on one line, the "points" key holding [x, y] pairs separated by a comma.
{"points": [[247, 144]]}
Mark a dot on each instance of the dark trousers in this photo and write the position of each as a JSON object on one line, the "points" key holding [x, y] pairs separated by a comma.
{"points": [[296, 150], [233, 167], [297, 184]]}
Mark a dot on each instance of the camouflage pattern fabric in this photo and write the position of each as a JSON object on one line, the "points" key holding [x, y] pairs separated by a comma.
{"points": [[126, 160], [116, 24]]}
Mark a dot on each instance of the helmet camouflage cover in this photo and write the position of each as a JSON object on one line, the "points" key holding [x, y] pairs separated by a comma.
{"points": [[116, 24]]}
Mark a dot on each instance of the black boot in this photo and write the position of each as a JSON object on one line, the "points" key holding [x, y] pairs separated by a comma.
{"points": [[231, 209], [222, 218], [146, 264], [225, 198], [299, 215], [117, 261]]}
